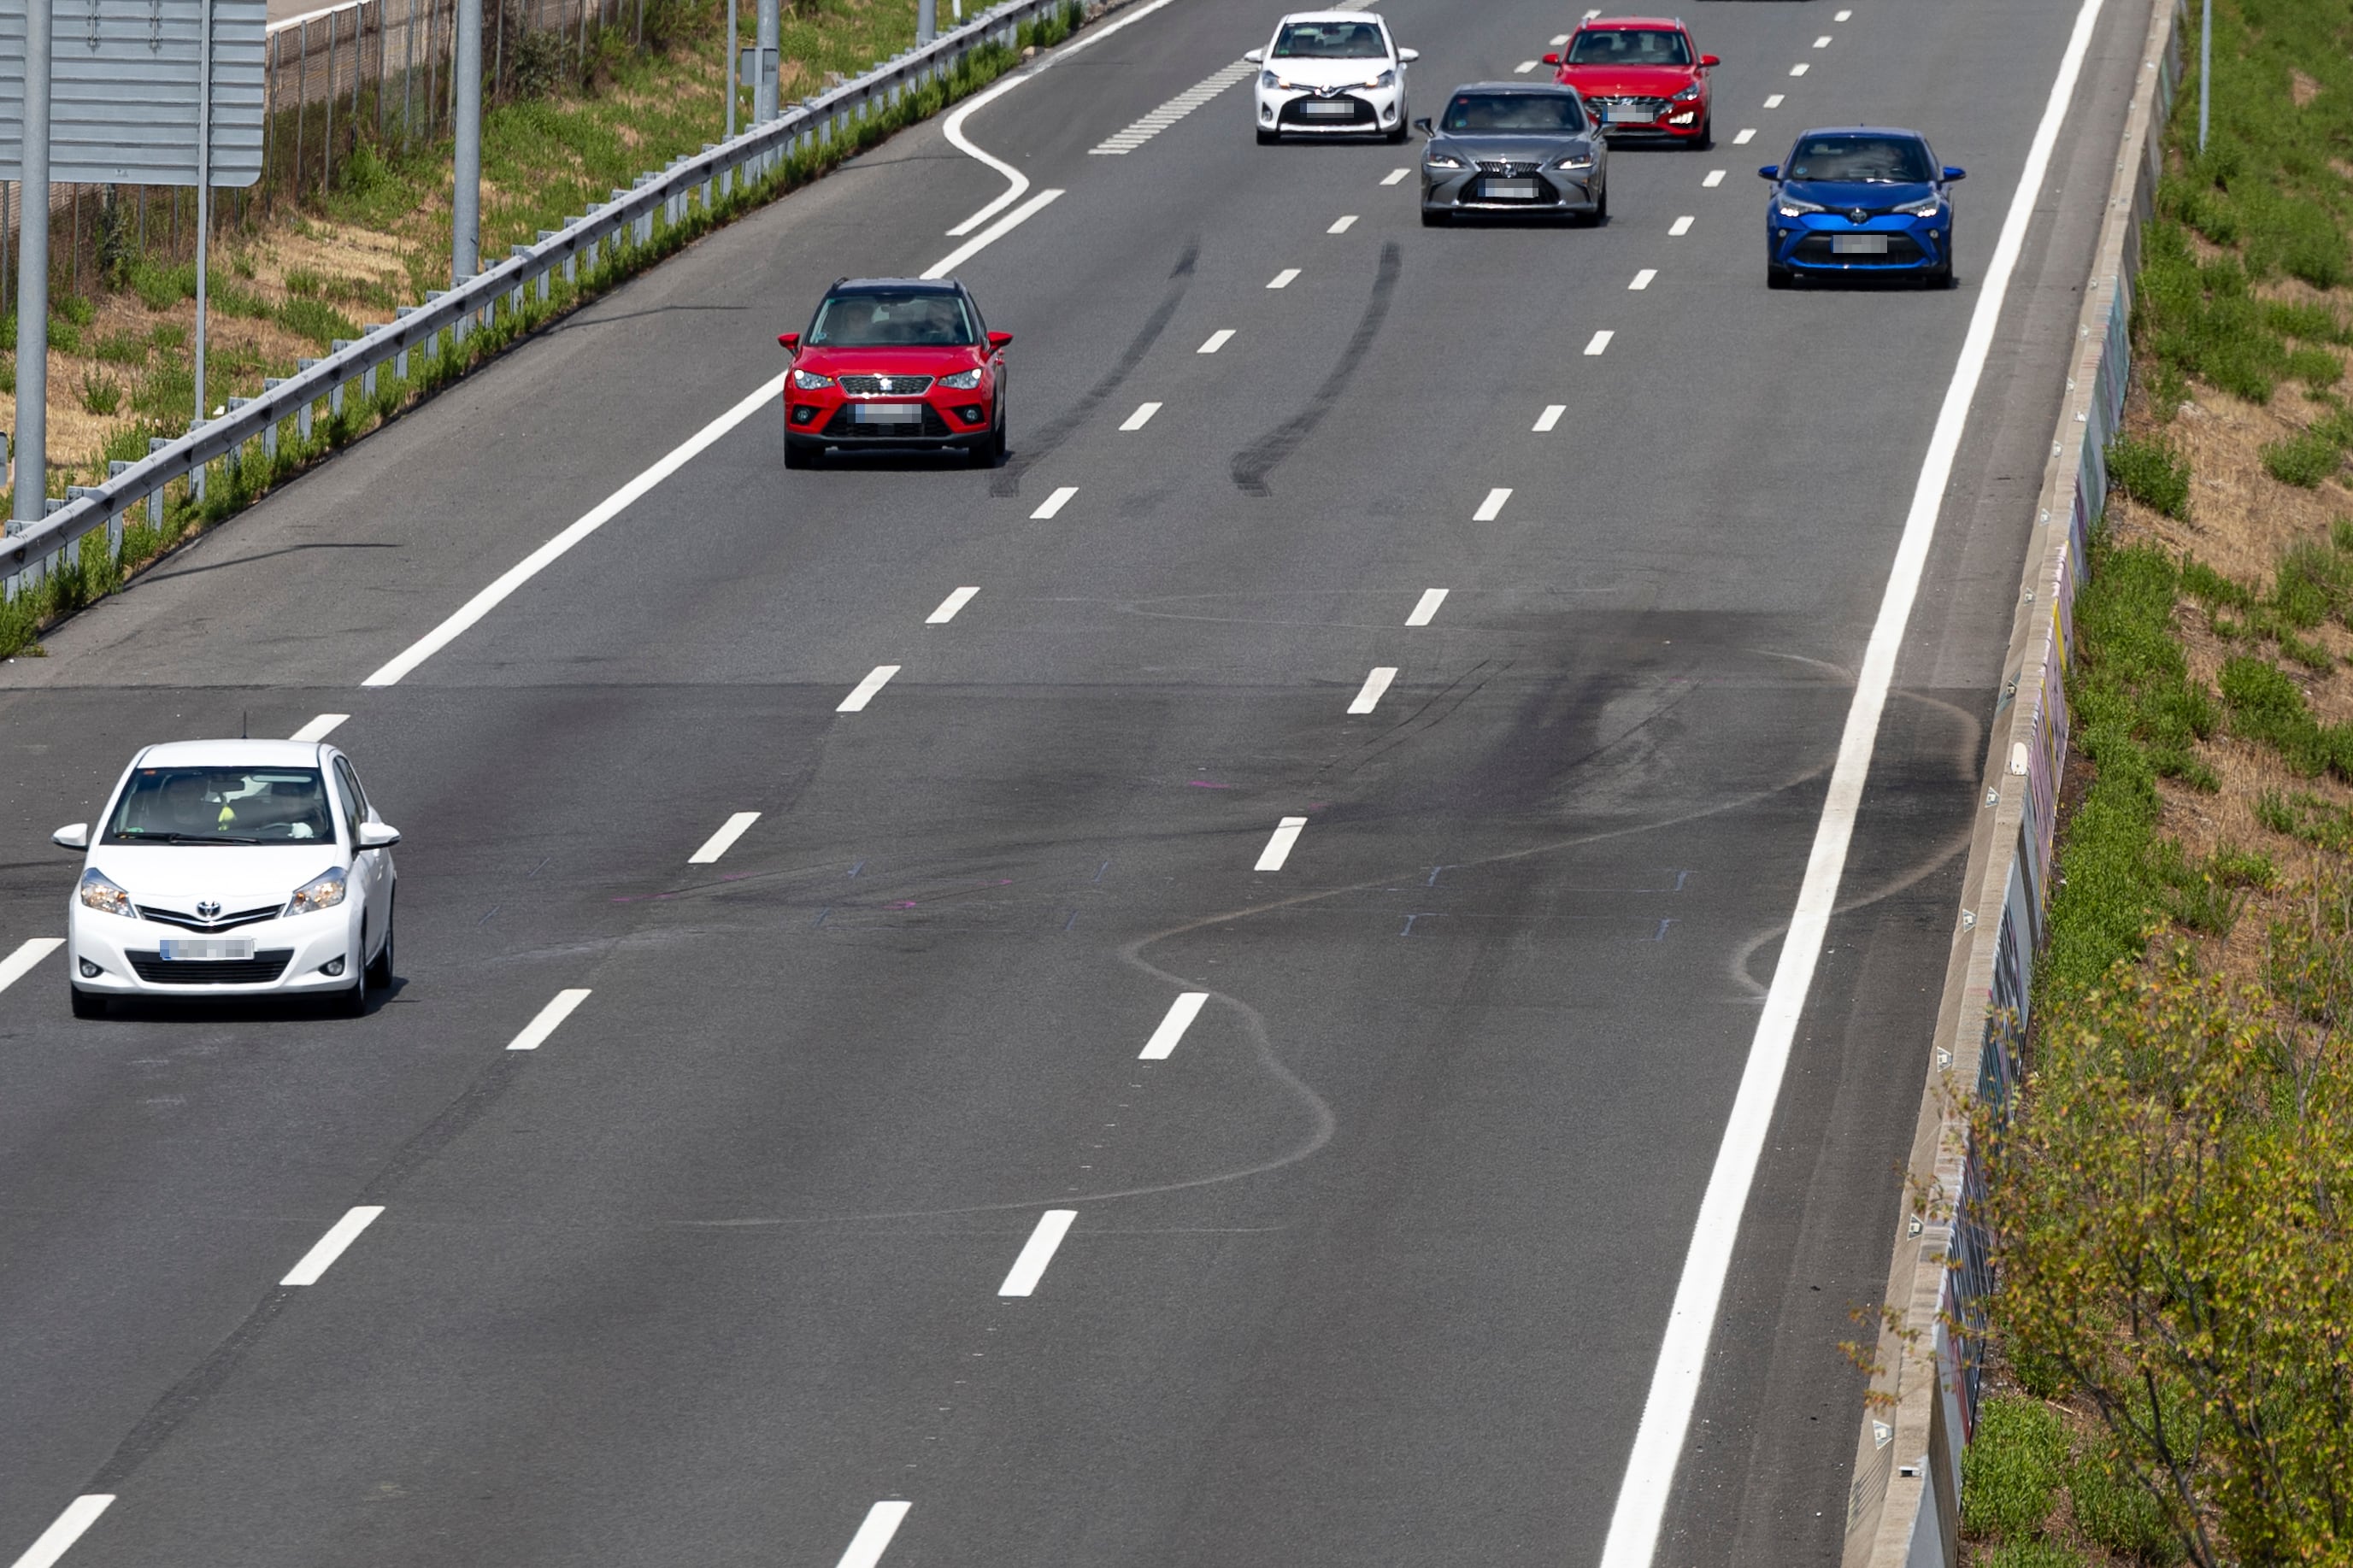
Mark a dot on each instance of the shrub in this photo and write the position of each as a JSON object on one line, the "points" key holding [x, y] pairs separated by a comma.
{"points": [[2010, 1471], [2303, 459], [2151, 471], [74, 309], [160, 287], [317, 321], [2315, 366], [2032, 1555], [65, 336], [2117, 1512], [2269, 708], [304, 284], [2201, 582], [99, 395]]}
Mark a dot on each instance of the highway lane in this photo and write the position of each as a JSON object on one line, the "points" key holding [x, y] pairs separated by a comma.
{"points": [[1431, 1327]]}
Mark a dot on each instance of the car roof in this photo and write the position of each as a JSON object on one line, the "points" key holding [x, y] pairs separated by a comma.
{"points": [[1668, 23], [913, 285], [1329, 17], [1557, 88], [231, 754], [1861, 130]]}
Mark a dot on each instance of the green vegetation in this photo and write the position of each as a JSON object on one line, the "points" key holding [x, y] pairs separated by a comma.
{"points": [[2011, 1469], [2152, 472]]}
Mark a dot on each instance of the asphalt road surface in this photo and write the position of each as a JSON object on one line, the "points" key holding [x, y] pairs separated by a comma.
{"points": [[1373, 1264]]}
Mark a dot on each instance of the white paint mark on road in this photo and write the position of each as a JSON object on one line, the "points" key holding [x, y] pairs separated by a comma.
{"points": [[330, 1247], [534, 1034], [863, 692], [19, 963], [1055, 502], [1493, 506], [1395, 176], [1824, 42], [319, 729], [1342, 224], [1217, 340], [992, 234], [1376, 683], [1142, 416], [55, 1541], [1181, 1014], [1659, 1441], [1715, 178], [1550, 417], [1524, 67], [1679, 228], [1426, 609], [1038, 1252], [1746, 135], [1282, 279], [1842, 16], [1642, 279], [881, 1523], [1600, 341], [1278, 847], [1774, 101], [962, 597], [719, 843], [1799, 69], [1558, 39], [1121, 143]]}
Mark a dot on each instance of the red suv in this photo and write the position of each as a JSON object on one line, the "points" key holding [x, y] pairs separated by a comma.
{"points": [[1642, 78], [895, 363]]}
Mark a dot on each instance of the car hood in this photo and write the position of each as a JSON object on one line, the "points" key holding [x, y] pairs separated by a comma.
{"points": [[1327, 73], [1518, 147], [1628, 81], [1845, 195], [234, 876], [827, 360]]}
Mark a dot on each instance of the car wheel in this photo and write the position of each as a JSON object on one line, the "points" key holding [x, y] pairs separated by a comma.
{"points": [[1944, 278], [1706, 139], [87, 1003], [1396, 135], [1601, 207], [352, 1001], [1434, 217], [1268, 138], [379, 968], [1779, 277]]}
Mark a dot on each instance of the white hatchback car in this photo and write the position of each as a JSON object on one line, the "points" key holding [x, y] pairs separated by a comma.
{"points": [[1331, 73], [232, 867]]}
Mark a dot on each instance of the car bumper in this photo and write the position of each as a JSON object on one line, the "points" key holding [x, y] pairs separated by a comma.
{"points": [[1827, 243], [1676, 123], [290, 956], [1373, 110], [1556, 191], [944, 417]]}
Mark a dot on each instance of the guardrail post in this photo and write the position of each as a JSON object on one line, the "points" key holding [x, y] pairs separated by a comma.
{"points": [[270, 435]]}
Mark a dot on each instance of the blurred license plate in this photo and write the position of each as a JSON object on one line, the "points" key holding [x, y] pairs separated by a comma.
{"points": [[1328, 109], [1629, 113], [889, 414], [207, 947], [1511, 190], [1858, 244]]}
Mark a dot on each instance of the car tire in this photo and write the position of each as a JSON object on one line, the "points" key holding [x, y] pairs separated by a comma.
{"points": [[379, 968], [1706, 141], [1434, 217], [1779, 278], [350, 1002], [1944, 278], [1396, 135], [87, 1003], [800, 456], [1268, 138]]}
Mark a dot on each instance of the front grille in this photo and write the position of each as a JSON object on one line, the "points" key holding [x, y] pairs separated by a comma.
{"points": [[230, 921], [1644, 107], [885, 386], [843, 427], [1902, 251], [1359, 113], [1506, 166], [259, 970]]}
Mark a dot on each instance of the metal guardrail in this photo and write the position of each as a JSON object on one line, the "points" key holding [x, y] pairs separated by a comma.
{"points": [[628, 219], [1904, 1501]]}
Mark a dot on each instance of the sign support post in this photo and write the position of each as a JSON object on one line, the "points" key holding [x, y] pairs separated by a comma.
{"points": [[32, 500], [204, 191]]}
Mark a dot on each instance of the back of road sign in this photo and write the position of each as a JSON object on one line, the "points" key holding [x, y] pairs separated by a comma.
{"points": [[123, 90]]}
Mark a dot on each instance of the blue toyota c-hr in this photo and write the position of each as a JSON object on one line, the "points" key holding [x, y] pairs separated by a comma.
{"points": [[1859, 201]]}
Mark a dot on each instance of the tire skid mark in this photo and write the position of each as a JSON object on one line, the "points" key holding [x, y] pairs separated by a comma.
{"points": [[1254, 462]]}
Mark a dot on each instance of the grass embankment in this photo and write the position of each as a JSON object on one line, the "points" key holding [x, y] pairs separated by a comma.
{"points": [[287, 284], [2173, 1198]]}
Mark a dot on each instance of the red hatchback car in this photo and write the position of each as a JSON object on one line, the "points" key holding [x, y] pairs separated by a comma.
{"points": [[895, 363], [1643, 78]]}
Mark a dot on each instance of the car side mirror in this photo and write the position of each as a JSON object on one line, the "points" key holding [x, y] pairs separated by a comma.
{"points": [[1769, 172], [790, 339], [1552, 60], [1707, 60], [1255, 57], [1952, 174], [1423, 126], [999, 340], [72, 835], [379, 835], [1407, 56]]}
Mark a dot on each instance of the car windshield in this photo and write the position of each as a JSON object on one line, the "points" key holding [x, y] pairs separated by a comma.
{"points": [[892, 318], [1540, 111], [1869, 160], [1628, 46], [222, 806], [1330, 41]]}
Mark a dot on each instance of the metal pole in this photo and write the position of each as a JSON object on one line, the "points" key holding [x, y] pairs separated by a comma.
{"points": [[33, 282], [327, 169], [2205, 71], [735, 69], [408, 79], [204, 185], [301, 99], [927, 20], [466, 204], [764, 94], [4, 247]]}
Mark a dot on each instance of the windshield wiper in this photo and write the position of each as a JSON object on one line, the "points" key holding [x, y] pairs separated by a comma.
{"points": [[185, 837]]}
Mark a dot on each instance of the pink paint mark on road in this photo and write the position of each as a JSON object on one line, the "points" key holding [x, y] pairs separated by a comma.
{"points": [[1205, 783]]}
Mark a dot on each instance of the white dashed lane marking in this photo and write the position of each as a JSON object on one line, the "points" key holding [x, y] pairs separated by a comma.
{"points": [[1550, 416], [330, 1247], [1425, 609], [1282, 279], [1744, 138], [1774, 101], [1050, 506], [19, 963], [864, 691], [1342, 224], [1217, 340], [1141, 418], [1181, 1014], [55, 1541], [1600, 341], [1493, 506], [1824, 42], [1369, 696], [1642, 279], [1122, 142], [1524, 67], [535, 1033], [1799, 69], [319, 729], [1038, 1252], [866, 1547], [962, 597], [1681, 226], [1715, 178], [719, 843], [1278, 848], [1395, 176]]}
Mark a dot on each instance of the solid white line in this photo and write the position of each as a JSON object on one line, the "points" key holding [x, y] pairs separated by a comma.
{"points": [[991, 235], [1550, 417], [1018, 182], [1038, 1252], [1342, 224], [1659, 1441], [79, 1516], [319, 729], [1426, 608], [1601, 341], [1369, 697], [1824, 42], [1142, 416], [1493, 506], [1524, 67], [1282, 279], [1745, 137], [1181, 1014], [1055, 502], [539, 559], [881, 1523], [1773, 101], [19, 963], [330, 1247], [534, 1034], [1681, 226], [1278, 848], [1798, 69], [720, 842], [1715, 178], [863, 692], [1395, 176], [1642, 279], [1217, 340], [949, 606]]}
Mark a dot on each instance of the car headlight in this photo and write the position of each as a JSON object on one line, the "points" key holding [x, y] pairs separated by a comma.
{"points": [[1576, 161], [1271, 82], [1443, 161], [809, 381], [324, 891], [963, 379], [1923, 207], [1387, 78], [1791, 207], [1688, 95], [98, 893]]}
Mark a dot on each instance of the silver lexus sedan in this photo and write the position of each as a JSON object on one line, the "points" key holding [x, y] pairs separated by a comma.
{"points": [[1521, 147]]}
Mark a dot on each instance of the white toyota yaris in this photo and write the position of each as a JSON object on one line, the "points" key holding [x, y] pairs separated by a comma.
{"points": [[1331, 73], [232, 867]]}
